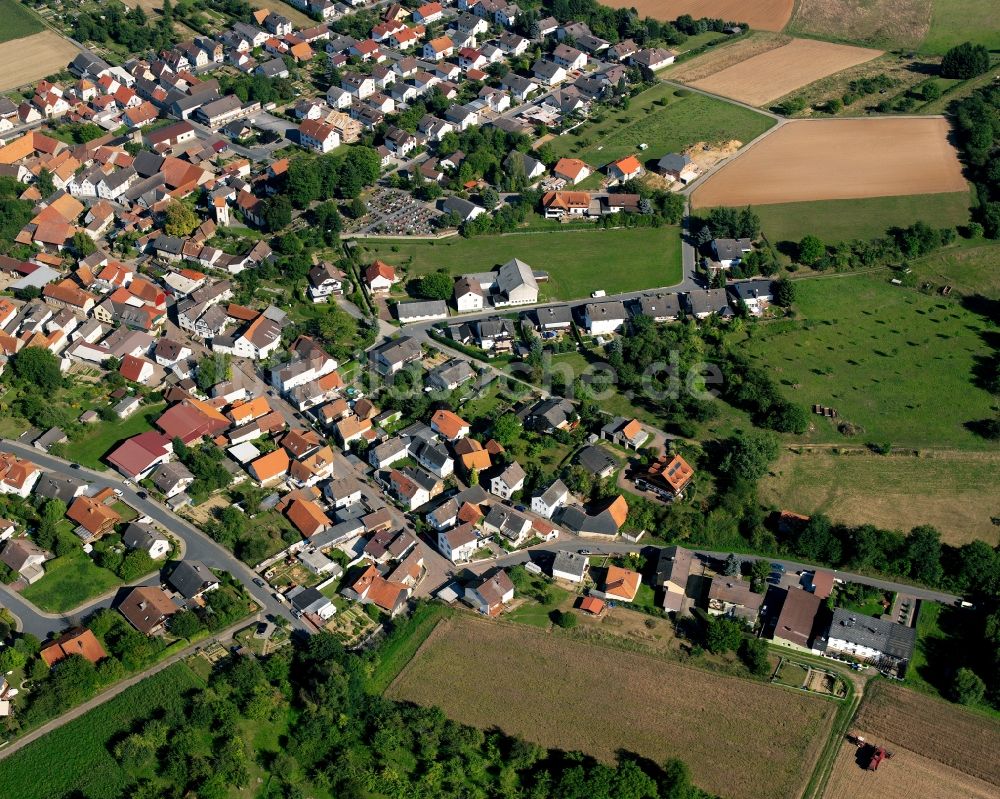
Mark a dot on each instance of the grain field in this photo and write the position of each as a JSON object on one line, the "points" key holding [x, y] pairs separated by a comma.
{"points": [[568, 694]]}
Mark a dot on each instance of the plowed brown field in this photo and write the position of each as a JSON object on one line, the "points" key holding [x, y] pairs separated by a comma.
{"points": [[768, 15], [838, 159], [773, 74], [741, 739]]}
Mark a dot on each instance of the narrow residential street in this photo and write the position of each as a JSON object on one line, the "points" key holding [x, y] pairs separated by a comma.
{"points": [[198, 546]]}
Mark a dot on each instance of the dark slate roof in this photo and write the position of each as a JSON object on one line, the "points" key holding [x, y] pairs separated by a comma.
{"points": [[191, 577], [885, 636]]}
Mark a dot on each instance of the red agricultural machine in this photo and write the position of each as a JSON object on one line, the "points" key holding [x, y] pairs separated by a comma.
{"points": [[869, 755]]}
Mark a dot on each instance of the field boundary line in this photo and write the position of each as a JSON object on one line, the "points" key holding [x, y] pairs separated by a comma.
{"points": [[436, 631]]}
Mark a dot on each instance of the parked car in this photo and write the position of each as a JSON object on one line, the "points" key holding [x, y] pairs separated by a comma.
{"points": [[777, 567], [258, 582]]}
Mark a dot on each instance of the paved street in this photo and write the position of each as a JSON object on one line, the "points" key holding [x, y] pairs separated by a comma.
{"points": [[198, 546]]}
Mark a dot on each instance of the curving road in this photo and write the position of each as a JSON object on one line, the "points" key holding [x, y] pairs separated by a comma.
{"points": [[197, 546]]}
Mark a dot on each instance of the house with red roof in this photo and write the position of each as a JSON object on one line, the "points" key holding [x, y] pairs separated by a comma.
{"points": [[380, 277], [624, 169], [138, 456]]}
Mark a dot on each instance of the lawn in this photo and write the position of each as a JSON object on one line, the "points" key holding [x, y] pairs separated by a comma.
{"points": [[973, 268], [563, 693], [81, 748], [578, 261], [891, 361], [539, 614], [18, 21], [672, 127], [845, 220], [98, 441], [957, 21], [69, 581], [864, 488]]}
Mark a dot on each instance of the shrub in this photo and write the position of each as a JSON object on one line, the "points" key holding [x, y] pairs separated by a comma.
{"points": [[965, 61]]}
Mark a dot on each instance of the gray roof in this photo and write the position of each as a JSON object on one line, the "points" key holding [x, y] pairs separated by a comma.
{"points": [[421, 309], [141, 536], [612, 309], [307, 600], [55, 486], [554, 411], [703, 301], [434, 454], [191, 577], [731, 249], [463, 208], [595, 459], [553, 315], [547, 69], [514, 274], [512, 474], [399, 350], [579, 521], [169, 474], [454, 371], [570, 563], [509, 522], [887, 637], [554, 492], [751, 289], [659, 306], [673, 162]]}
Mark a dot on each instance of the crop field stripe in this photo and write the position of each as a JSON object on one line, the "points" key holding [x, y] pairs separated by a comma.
{"points": [[18, 21]]}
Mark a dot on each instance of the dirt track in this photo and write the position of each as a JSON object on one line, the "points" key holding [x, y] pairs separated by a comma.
{"points": [[838, 159], [773, 74], [49, 54], [768, 15]]}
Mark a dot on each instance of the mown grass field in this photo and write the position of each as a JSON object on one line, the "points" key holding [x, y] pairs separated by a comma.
{"points": [[958, 492], [17, 21], [741, 739], [894, 361], [845, 220], [957, 21], [973, 268], [578, 261], [105, 436], [75, 759], [69, 581], [671, 127]]}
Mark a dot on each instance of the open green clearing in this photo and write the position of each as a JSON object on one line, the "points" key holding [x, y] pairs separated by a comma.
{"points": [[17, 21], [75, 759], [99, 441], [957, 21], [672, 127], [973, 268], [578, 261], [889, 359], [846, 220], [69, 581], [958, 491]]}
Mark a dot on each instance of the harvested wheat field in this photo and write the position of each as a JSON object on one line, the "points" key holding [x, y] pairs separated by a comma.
{"points": [[563, 693], [50, 53], [768, 15], [907, 775], [934, 729], [719, 58], [773, 74], [886, 23], [838, 159]]}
